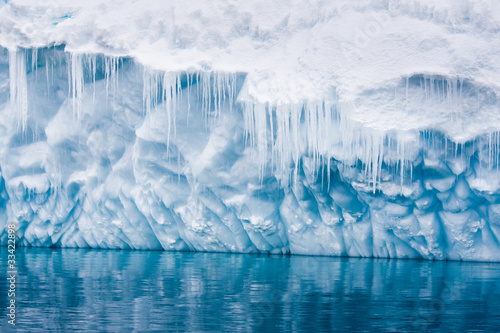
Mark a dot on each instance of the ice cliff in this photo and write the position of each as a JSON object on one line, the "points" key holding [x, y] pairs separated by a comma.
{"points": [[366, 128]]}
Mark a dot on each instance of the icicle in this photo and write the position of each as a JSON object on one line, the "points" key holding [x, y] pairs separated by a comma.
{"points": [[497, 146], [206, 95], [93, 66], [18, 87], [47, 76], [260, 116], [110, 69], [328, 171], [170, 84], [232, 91], [114, 72], [34, 61], [145, 91], [150, 90], [189, 83], [271, 134], [77, 83], [490, 151]]}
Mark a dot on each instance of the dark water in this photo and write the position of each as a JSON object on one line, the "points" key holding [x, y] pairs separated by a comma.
{"points": [[124, 291]]}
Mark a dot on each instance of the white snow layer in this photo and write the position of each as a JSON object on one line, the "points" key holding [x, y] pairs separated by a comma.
{"points": [[367, 128]]}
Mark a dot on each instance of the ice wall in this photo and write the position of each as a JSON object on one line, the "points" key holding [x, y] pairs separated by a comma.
{"points": [[104, 152], [293, 145]]}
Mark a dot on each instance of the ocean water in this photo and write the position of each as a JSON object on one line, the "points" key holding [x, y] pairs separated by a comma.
{"points": [[78, 290]]}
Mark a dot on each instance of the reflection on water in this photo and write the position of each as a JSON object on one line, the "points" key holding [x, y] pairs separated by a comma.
{"points": [[122, 291]]}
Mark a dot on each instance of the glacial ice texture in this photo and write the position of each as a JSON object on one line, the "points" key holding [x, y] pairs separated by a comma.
{"points": [[103, 150]]}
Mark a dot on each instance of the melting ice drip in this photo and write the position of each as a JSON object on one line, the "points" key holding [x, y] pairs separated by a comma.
{"points": [[281, 134]]}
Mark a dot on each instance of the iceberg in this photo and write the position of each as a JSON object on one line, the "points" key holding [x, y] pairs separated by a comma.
{"points": [[366, 129]]}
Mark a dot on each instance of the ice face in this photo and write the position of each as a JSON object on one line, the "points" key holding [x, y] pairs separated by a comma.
{"points": [[103, 150], [112, 154]]}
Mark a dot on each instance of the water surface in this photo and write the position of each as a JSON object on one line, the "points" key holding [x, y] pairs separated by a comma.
{"points": [[77, 290]]}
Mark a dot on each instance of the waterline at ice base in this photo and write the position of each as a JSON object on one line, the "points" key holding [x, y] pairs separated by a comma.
{"points": [[363, 129]]}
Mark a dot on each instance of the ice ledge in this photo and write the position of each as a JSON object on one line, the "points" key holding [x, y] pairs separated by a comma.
{"points": [[291, 52]]}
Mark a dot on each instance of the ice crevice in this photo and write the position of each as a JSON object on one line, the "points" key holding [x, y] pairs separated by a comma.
{"points": [[102, 151]]}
